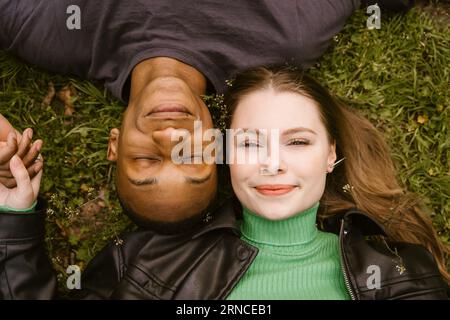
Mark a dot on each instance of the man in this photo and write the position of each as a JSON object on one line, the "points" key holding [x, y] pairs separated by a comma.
{"points": [[160, 57]]}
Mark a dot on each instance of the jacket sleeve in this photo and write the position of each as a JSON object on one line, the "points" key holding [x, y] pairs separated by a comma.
{"points": [[25, 270], [103, 273]]}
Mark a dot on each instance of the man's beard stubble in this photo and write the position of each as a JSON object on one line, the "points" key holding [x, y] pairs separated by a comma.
{"points": [[166, 228]]}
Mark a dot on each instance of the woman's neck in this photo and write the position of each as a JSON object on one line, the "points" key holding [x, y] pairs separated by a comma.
{"points": [[297, 230]]}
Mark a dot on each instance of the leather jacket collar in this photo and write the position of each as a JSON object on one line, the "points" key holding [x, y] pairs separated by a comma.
{"points": [[372, 270], [208, 262]]}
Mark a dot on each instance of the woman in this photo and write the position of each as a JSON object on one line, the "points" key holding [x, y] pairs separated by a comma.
{"points": [[329, 160], [281, 254]]}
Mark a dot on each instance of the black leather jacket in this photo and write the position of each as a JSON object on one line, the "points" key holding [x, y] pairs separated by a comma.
{"points": [[205, 263]]}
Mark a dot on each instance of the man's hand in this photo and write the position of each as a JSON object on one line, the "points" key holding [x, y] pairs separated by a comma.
{"points": [[11, 143], [25, 193], [5, 128]]}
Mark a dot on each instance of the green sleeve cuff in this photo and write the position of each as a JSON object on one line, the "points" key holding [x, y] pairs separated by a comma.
{"points": [[27, 210]]}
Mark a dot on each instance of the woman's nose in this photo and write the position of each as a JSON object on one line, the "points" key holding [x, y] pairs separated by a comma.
{"points": [[273, 166]]}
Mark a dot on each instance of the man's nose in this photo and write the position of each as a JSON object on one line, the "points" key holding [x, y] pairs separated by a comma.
{"points": [[169, 137], [164, 136]]}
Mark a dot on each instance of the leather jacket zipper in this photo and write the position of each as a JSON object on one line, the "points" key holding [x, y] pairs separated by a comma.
{"points": [[344, 266]]}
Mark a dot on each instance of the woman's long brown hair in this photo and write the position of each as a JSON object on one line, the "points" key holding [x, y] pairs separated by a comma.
{"points": [[367, 177]]}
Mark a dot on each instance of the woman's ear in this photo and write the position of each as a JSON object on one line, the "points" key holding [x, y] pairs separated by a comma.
{"points": [[113, 144], [331, 158]]}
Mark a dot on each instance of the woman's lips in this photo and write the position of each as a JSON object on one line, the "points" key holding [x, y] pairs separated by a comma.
{"points": [[274, 189]]}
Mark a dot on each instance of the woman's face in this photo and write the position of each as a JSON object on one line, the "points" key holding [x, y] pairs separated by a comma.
{"points": [[278, 189]]}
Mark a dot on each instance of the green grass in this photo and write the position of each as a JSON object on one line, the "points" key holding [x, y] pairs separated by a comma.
{"points": [[397, 76]]}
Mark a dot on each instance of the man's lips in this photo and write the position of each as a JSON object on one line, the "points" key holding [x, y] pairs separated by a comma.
{"points": [[169, 110], [274, 189]]}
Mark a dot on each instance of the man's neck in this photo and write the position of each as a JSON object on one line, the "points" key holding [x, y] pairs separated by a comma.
{"points": [[150, 69]]}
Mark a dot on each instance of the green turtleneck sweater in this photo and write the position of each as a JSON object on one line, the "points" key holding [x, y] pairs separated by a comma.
{"points": [[295, 260]]}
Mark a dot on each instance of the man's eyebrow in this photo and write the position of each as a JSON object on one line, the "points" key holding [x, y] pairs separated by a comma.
{"points": [[150, 181], [142, 182], [295, 130], [193, 180]]}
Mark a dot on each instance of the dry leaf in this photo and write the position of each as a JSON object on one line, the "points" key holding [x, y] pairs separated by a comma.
{"points": [[422, 119], [66, 95], [90, 208], [61, 227], [50, 94], [84, 187]]}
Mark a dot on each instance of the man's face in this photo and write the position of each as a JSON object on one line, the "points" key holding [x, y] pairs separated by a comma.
{"points": [[148, 181]]}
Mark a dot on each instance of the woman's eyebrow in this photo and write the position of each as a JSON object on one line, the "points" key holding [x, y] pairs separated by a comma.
{"points": [[297, 129]]}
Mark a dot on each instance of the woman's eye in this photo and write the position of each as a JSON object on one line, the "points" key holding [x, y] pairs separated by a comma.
{"points": [[298, 142]]}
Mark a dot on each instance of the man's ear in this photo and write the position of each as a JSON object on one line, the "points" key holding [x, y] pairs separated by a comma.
{"points": [[113, 144]]}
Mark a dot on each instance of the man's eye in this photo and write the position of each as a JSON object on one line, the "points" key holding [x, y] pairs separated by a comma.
{"points": [[249, 144], [192, 159], [146, 159], [298, 142]]}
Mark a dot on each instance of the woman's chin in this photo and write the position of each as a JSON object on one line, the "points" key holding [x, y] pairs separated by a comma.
{"points": [[275, 213]]}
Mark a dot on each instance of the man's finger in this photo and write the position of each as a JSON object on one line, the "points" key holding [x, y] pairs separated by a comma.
{"points": [[36, 167], [6, 174], [7, 179], [18, 136], [32, 154], [5, 127], [8, 182], [8, 150], [25, 143]]}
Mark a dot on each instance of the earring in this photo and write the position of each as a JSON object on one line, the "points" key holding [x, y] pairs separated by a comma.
{"points": [[338, 162], [207, 218], [348, 188], [333, 165]]}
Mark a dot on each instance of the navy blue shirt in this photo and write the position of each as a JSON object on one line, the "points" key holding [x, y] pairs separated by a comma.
{"points": [[216, 37]]}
